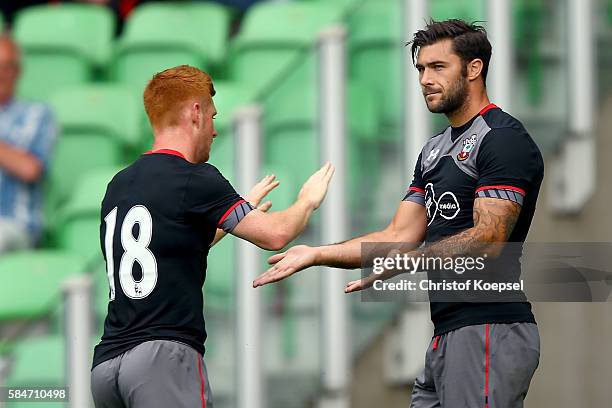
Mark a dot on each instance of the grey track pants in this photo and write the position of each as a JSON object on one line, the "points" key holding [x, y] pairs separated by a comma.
{"points": [[480, 366], [154, 374]]}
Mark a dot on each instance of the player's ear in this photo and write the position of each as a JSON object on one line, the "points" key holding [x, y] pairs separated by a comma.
{"points": [[474, 69], [195, 111]]}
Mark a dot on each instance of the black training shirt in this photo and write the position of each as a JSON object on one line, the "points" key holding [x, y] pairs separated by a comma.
{"points": [[158, 219], [490, 156]]}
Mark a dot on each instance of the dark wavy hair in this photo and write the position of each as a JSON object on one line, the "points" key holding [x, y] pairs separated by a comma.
{"points": [[469, 41]]}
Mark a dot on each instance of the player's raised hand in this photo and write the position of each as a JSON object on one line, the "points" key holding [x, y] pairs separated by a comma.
{"points": [[315, 188], [260, 190], [286, 264]]}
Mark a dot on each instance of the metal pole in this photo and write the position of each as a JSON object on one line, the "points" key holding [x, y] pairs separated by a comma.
{"points": [[413, 333], [77, 301], [247, 123], [417, 124], [501, 74], [336, 347], [581, 42], [574, 168]]}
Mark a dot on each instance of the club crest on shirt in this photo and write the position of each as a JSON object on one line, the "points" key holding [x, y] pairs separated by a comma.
{"points": [[468, 146]]}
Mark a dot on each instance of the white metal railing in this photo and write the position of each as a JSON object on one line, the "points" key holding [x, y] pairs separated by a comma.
{"points": [[249, 350], [417, 119], [335, 317], [500, 77], [574, 167], [78, 300]]}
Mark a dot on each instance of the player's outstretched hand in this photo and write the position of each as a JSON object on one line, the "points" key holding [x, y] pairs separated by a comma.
{"points": [[286, 264], [260, 190], [315, 188], [361, 284], [368, 281]]}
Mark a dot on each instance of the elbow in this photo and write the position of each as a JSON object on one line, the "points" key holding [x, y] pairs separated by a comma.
{"points": [[275, 246], [31, 173], [494, 250], [493, 246], [413, 238], [277, 241]]}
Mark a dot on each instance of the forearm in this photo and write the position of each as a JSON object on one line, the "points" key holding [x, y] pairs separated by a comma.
{"points": [[347, 254], [472, 241], [494, 221], [468, 242], [19, 163], [291, 222]]}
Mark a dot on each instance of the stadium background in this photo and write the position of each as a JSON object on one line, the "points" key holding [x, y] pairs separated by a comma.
{"points": [[267, 55]]}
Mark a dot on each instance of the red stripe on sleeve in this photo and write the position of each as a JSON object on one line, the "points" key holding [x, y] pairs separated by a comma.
{"points": [[202, 386], [418, 190], [228, 212], [518, 190]]}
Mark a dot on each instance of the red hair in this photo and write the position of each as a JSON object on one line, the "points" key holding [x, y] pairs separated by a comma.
{"points": [[168, 90]]}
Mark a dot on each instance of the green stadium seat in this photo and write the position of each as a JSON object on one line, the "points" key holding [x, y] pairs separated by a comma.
{"points": [[69, 163], [275, 35], [101, 291], [220, 276], [292, 125], [109, 109], [62, 45], [468, 10], [159, 36], [39, 362], [100, 125], [32, 282], [528, 17], [376, 50], [215, 26], [79, 219], [286, 193], [100, 295]]}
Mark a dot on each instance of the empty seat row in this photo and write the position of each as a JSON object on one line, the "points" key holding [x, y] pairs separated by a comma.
{"points": [[73, 43]]}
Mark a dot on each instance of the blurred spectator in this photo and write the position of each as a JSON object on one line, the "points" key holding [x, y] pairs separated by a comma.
{"points": [[121, 7], [27, 136], [10, 8]]}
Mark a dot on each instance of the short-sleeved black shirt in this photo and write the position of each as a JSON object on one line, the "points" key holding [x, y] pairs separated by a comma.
{"points": [[490, 156], [158, 219]]}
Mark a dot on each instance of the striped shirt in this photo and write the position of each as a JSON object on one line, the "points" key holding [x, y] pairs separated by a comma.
{"points": [[30, 127]]}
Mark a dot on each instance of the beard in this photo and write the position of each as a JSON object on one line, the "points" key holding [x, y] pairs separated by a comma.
{"points": [[452, 99]]}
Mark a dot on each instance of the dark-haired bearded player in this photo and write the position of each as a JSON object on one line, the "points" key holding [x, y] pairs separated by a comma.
{"points": [[475, 184]]}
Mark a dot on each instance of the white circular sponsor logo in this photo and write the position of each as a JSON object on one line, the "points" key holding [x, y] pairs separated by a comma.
{"points": [[447, 205]]}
